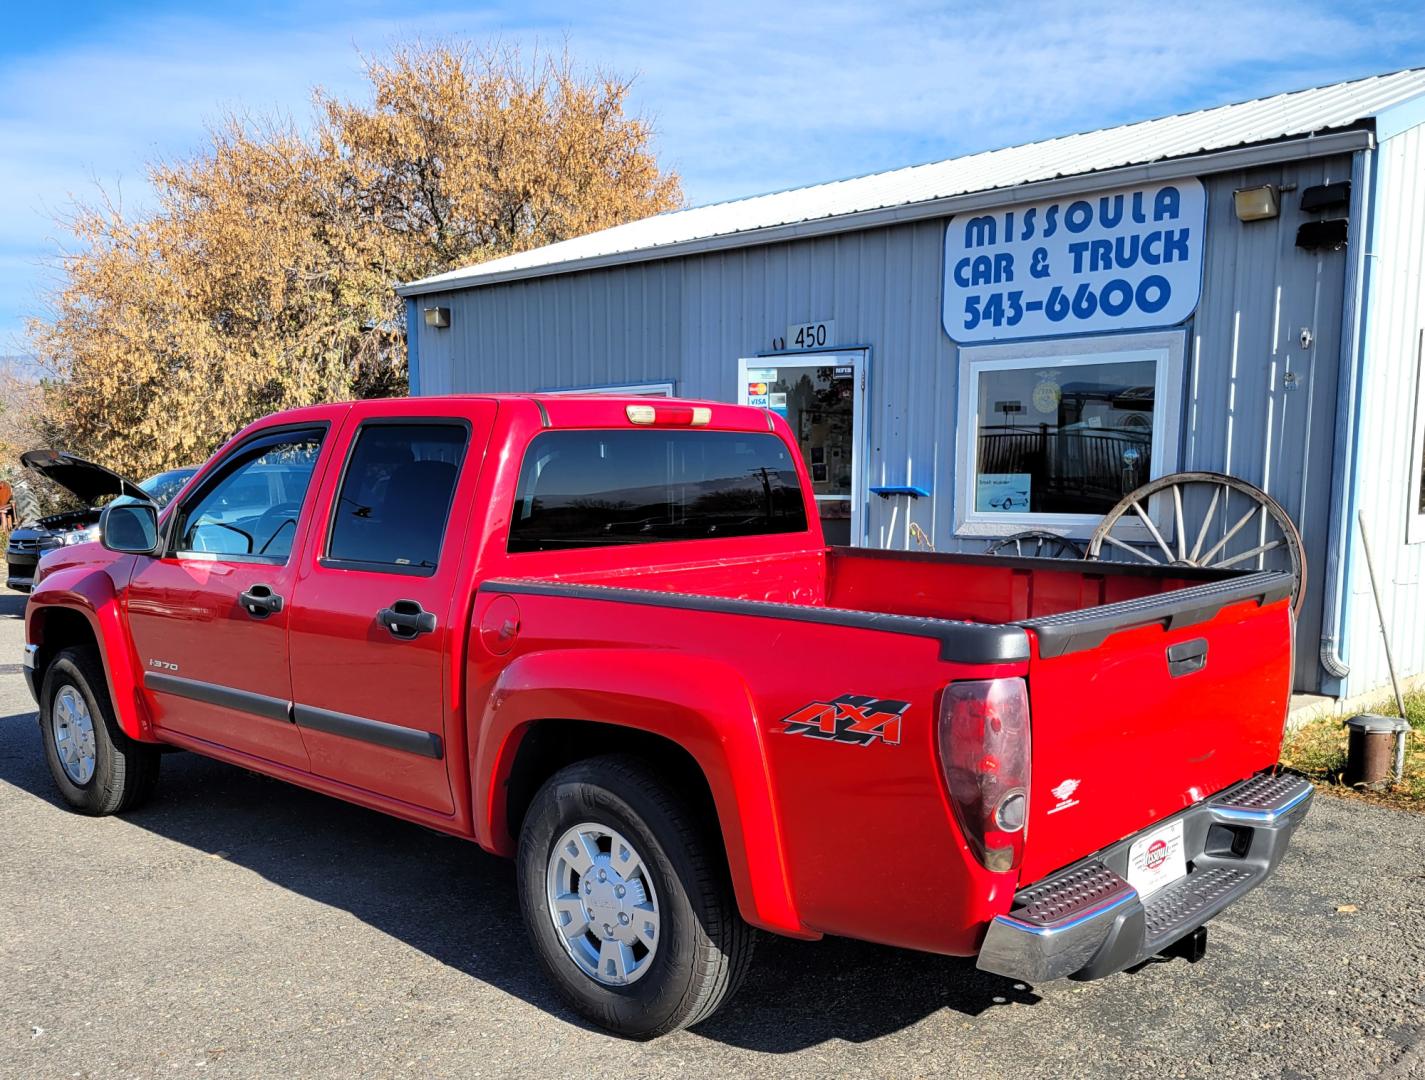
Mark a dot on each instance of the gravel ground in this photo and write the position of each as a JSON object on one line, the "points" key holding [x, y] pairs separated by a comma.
{"points": [[238, 927]]}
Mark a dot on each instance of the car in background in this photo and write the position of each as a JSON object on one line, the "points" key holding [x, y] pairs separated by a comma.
{"points": [[91, 484]]}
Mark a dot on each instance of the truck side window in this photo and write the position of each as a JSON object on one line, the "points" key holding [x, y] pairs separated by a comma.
{"points": [[250, 508], [599, 488], [395, 496]]}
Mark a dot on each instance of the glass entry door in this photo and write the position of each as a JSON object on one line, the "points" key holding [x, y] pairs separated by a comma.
{"points": [[822, 398]]}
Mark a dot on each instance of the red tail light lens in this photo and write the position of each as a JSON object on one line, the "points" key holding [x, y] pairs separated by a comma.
{"points": [[984, 750]]}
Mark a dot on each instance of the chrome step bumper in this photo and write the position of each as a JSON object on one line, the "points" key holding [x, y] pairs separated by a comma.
{"points": [[1086, 921]]}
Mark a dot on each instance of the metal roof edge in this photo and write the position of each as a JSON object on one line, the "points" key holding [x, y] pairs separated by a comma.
{"points": [[1291, 149], [1402, 116]]}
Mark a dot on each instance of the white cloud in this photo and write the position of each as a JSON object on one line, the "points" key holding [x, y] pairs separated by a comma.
{"points": [[749, 100]]}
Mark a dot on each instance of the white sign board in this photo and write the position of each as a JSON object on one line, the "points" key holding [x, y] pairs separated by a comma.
{"points": [[1124, 260], [811, 335]]}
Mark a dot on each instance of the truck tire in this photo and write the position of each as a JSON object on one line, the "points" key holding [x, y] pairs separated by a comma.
{"points": [[97, 768], [627, 900]]}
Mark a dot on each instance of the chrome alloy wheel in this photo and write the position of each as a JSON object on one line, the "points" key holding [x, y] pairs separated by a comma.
{"points": [[72, 729], [602, 901]]}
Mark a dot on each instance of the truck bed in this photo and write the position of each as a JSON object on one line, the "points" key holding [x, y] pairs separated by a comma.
{"points": [[990, 590], [1123, 735]]}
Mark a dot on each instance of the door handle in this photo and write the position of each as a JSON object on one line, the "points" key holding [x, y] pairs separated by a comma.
{"points": [[260, 601], [406, 619], [1186, 657]]}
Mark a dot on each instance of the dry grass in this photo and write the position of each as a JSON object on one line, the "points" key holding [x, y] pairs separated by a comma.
{"points": [[1319, 751]]}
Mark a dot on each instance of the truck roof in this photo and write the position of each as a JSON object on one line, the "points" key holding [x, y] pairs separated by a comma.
{"points": [[564, 410]]}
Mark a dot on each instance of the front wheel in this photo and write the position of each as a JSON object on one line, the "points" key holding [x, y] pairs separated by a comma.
{"points": [[627, 900], [97, 768]]}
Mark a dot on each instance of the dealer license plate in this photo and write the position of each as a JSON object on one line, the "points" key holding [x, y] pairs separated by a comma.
{"points": [[1157, 859]]}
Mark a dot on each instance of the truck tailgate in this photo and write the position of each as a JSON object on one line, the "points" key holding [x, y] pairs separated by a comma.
{"points": [[1142, 708]]}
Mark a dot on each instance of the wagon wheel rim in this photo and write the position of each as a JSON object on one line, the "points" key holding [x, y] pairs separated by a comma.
{"points": [[1035, 544], [1207, 542]]}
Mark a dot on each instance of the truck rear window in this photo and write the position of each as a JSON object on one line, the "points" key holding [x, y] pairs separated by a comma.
{"points": [[599, 488]]}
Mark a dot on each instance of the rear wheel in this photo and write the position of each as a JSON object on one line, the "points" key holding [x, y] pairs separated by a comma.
{"points": [[97, 768], [627, 900]]}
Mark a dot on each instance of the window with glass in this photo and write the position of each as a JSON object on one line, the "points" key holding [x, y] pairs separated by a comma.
{"points": [[600, 488], [1051, 435], [250, 510], [394, 502], [1415, 516], [646, 389]]}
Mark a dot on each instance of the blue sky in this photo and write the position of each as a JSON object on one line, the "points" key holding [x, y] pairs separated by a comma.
{"points": [[746, 96]]}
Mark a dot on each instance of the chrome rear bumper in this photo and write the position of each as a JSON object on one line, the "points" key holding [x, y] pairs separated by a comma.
{"points": [[1086, 921]]}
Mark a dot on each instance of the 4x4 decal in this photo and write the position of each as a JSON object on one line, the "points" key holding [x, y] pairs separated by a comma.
{"points": [[859, 719]]}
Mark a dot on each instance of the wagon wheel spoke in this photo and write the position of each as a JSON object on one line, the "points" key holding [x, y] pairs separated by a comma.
{"points": [[1153, 530], [1241, 524], [1260, 549], [1131, 550], [1206, 521], [1178, 525]]}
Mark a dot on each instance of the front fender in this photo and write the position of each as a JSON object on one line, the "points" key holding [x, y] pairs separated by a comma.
{"points": [[700, 704], [91, 594]]}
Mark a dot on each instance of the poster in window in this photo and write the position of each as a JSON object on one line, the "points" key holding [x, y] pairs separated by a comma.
{"points": [[1002, 493]]}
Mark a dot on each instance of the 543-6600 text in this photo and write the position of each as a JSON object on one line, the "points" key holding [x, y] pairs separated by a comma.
{"points": [[1112, 298]]}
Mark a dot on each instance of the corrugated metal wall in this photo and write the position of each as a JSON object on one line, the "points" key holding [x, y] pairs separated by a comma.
{"points": [[689, 319], [1394, 318]]}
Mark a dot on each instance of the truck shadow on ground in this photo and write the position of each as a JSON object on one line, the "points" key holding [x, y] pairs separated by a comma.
{"points": [[457, 904]]}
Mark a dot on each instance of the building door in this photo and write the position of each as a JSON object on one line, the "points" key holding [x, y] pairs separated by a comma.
{"points": [[822, 397]]}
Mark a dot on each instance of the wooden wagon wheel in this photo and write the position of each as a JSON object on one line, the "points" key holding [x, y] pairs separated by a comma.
{"points": [[1242, 526], [1035, 543]]}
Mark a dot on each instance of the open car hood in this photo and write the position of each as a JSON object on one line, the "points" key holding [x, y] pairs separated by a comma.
{"points": [[89, 482]]}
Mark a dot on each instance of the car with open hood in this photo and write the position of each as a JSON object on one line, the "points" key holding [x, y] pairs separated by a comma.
{"points": [[93, 485]]}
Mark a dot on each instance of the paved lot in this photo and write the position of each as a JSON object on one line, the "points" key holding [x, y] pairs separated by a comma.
{"points": [[238, 927]]}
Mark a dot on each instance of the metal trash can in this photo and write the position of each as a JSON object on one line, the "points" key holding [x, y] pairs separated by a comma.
{"points": [[1370, 754]]}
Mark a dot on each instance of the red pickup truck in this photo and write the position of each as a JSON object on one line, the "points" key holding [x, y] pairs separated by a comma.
{"points": [[604, 636]]}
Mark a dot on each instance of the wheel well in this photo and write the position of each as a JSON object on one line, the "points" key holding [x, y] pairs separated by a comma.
{"points": [[56, 629], [550, 745]]}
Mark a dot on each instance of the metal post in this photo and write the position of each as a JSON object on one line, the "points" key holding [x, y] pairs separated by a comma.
{"points": [[1385, 638], [1400, 751]]}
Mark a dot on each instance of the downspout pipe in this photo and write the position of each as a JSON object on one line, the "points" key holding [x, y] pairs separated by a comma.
{"points": [[1347, 445], [413, 331]]}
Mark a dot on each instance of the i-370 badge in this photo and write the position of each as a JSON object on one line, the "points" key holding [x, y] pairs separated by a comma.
{"points": [[858, 719]]}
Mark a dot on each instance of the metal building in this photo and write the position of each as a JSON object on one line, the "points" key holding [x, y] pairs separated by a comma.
{"points": [[1014, 339]]}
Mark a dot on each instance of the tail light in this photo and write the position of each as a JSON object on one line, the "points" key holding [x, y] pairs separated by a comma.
{"points": [[984, 750], [669, 415]]}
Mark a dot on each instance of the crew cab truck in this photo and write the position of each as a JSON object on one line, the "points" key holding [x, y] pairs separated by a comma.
{"points": [[604, 636]]}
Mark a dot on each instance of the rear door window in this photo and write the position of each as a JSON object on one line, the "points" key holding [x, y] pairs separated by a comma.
{"points": [[602, 488], [394, 501]]}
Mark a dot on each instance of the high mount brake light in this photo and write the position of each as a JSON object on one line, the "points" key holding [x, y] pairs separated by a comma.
{"points": [[669, 415], [984, 750]]}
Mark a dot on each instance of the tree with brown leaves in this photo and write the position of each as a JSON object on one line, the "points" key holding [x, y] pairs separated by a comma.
{"points": [[263, 277]]}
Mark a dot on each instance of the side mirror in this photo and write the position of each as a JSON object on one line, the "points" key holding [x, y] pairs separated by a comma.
{"points": [[130, 527]]}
